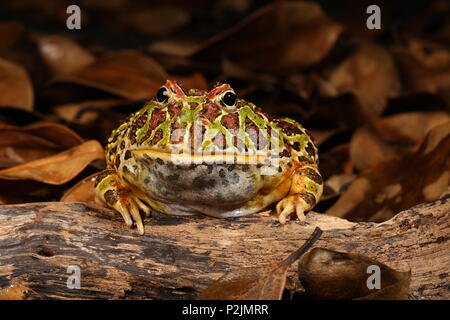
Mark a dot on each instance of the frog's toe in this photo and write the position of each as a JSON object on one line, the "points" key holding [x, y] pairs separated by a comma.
{"points": [[144, 207], [289, 205], [134, 210], [116, 195], [124, 212]]}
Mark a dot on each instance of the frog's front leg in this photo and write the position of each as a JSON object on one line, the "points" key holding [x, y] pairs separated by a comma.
{"points": [[304, 193], [115, 193]]}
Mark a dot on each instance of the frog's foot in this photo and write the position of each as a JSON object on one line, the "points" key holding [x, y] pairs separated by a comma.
{"points": [[293, 203], [109, 190], [305, 191]]}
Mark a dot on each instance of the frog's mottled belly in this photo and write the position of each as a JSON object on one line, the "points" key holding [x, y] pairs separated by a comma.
{"points": [[210, 189]]}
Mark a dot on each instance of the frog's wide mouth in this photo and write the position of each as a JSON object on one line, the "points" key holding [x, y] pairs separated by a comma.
{"points": [[188, 158]]}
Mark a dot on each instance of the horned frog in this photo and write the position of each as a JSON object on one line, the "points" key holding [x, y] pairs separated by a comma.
{"points": [[208, 152]]}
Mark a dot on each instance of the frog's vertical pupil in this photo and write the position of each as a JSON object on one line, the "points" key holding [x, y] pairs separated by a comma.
{"points": [[162, 95]]}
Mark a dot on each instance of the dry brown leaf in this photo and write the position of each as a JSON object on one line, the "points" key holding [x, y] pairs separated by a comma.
{"points": [[425, 64], [16, 89], [22, 144], [367, 149], [335, 161], [381, 191], [165, 19], [63, 55], [127, 73], [256, 283], [369, 73], [327, 274], [195, 80], [59, 168], [82, 191], [70, 111], [392, 137], [278, 36]]}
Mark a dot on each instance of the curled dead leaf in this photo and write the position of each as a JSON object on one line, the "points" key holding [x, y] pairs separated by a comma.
{"points": [[165, 19], [71, 112], [195, 80], [369, 73], [392, 137], [127, 73], [82, 191], [278, 36], [256, 283], [16, 89], [381, 191], [63, 55], [22, 144], [59, 168], [327, 274], [426, 65]]}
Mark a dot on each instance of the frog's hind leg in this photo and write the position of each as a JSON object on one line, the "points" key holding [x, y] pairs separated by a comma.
{"points": [[305, 191], [114, 193]]}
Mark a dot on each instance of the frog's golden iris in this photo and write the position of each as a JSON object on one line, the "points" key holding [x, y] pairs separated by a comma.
{"points": [[142, 172]]}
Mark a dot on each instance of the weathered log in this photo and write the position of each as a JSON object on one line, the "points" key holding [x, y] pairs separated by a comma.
{"points": [[179, 256]]}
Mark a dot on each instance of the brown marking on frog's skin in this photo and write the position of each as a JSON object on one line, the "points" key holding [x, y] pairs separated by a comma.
{"points": [[262, 113], [230, 121], [310, 150], [296, 146], [175, 88], [305, 160], [113, 150], [127, 155], [210, 111], [242, 103], [158, 136], [103, 175], [253, 132], [202, 183], [138, 123], [285, 153], [174, 110], [117, 162], [177, 136], [126, 170], [122, 145], [158, 116], [111, 197], [218, 90], [287, 128], [308, 197], [197, 92], [311, 174]]}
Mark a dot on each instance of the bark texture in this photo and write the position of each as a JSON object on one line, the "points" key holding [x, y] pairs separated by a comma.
{"points": [[179, 256]]}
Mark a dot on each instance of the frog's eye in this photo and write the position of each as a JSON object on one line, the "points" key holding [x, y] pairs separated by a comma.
{"points": [[162, 95], [229, 99]]}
